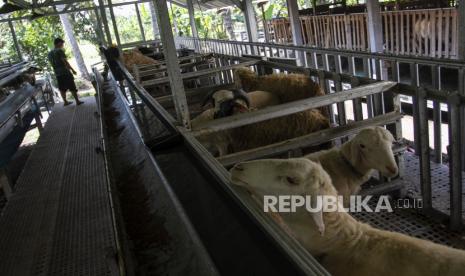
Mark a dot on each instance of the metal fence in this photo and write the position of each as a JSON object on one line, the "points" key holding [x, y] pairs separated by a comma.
{"points": [[431, 32], [435, 87]]}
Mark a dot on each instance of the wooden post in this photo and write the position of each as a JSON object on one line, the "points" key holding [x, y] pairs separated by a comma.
{"points": [[250, 20], [314, 6], [174, 72], [195, 34]]}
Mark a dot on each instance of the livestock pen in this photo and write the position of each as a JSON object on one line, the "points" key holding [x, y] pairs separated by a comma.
{"points": [[355, 103], [170, 169]]}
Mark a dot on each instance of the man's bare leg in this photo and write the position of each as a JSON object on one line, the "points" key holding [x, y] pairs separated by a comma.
{"points": [[75, 95], [63, 96]]}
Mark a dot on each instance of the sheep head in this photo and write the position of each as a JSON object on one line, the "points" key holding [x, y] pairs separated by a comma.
{"points": [[371, 149], [227, 103], [298, 176]]}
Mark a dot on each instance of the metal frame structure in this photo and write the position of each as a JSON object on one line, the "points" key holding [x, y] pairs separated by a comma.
{"points": [[331, 60]]}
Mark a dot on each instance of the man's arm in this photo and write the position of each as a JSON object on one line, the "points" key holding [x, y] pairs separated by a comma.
{"points": [[65, 61]]}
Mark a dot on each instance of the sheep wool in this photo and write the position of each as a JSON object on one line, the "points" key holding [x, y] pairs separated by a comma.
{"points": [[135, 57], [288, 87], [351, 165], [343, 245]]}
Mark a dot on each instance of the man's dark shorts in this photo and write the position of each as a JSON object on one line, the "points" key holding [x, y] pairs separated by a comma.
{"points": [[66, 82]]}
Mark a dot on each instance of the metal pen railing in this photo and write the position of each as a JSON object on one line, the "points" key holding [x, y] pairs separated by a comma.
{"points": [[435, 96]]}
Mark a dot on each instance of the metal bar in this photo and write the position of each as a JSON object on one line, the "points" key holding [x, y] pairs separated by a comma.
{"points": [[113, 20], [452, 63], [139, 20], [103, 15], [195, 34], [425, 167], [455, 126], [250, 21], [195, 74], [416, 130], [293, 107], [15, 40], [174, 72], [99, 31], [437, 121], [311, 139]]}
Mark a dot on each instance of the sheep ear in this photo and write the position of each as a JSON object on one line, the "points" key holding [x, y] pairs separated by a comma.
{"points": [[242, 95], [351, 151], [318, 219]]}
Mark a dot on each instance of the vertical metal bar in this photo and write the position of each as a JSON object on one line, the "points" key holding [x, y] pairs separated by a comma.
{"points": [[455, 162], [195, 34], [139, 20], [425, 167], [341, 111], [113, 20], [100, 33], [103, 15], [15, 40], [356, 103], [378, 98], [462, 111], [437, 121], [173, 70], [416, 130]]}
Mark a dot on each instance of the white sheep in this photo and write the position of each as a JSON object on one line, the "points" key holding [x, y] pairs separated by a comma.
{"points": [[343, 245], [351, 165]]}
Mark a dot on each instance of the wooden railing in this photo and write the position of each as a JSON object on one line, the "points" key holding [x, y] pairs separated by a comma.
{"points": [[430, 32]]}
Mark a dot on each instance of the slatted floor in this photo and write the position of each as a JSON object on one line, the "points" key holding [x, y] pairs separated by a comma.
{"points": [[59, 222]]}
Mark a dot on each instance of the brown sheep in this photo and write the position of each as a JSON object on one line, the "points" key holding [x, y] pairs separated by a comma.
{"points": [[288, 87], [135, 57], [264, 133]]}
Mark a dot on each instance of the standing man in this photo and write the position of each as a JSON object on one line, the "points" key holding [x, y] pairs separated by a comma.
{"points": [[63, 71]]}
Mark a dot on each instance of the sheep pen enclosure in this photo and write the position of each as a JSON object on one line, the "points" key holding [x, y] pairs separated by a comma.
{"points": [[351, 104]]}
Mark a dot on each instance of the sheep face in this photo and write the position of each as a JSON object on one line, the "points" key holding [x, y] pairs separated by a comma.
{"points": [[297, 176], [274, 177], [372, 149]]}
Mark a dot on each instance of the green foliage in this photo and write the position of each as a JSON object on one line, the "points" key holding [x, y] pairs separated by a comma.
{"points": [[36, 38]]}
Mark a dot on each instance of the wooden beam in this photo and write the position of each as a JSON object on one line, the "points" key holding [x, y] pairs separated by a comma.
{"points": [[174, 72], [311, 139], [293, 107]]}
